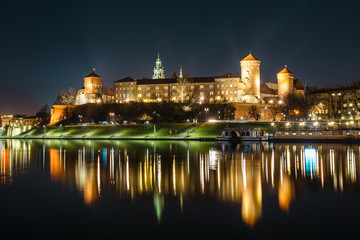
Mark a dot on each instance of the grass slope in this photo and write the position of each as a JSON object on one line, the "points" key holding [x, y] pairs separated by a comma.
{"points": [[161, 130]]}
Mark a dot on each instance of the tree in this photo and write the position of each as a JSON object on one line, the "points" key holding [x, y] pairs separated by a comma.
{"points": [[67, 97], [335, 103], [275, 109], [44, 114], [296, 106], [182, 89], [253, 112]]}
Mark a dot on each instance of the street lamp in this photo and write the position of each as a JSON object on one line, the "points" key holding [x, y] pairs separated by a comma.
{"points": [[206, 110], [112, 117]]}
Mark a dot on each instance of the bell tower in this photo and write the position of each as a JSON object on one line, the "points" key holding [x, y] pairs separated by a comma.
{"points": [[250, 75], [158, 69]]}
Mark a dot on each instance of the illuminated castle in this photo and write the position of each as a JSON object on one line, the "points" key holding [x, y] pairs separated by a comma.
{"points": [[93, 91], [225, 88]]}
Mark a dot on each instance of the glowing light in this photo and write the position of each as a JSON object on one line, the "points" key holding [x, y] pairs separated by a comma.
{"points": [[316, 123], [310, 161]]}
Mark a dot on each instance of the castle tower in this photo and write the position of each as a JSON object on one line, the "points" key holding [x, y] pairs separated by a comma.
{"points": [[181, 74], [92, 86], [285, 82], [250, 75], [158, 69]]}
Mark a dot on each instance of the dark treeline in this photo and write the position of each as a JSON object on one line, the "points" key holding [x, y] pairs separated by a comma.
{"points": [[139, 112]]}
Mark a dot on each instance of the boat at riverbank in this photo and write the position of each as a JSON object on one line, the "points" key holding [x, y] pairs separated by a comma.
{"points": [[316, 135], [234, 134]]}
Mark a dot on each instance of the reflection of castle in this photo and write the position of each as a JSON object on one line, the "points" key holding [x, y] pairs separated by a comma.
{"points": [[242, 175]]}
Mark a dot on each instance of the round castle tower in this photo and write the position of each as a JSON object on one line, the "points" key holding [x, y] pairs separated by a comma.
{"points": [[285, 82], [91, 91], [250, 75], [93, 83]]}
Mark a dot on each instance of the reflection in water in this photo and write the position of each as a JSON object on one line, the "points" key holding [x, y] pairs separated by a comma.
{"points": [[240, 174]]}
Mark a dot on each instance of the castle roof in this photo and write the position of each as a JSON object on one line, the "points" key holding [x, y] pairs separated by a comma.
{"points": [[250, 57], [298, 85], [92, 74], [285, 70], [265, 89], [127, 79], [228, 75]]}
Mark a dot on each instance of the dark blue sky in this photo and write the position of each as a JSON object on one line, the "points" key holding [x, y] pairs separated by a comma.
{"points": [[47, 46]]}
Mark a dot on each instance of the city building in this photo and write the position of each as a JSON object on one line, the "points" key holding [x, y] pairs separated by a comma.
{"points": [[341, 102]]}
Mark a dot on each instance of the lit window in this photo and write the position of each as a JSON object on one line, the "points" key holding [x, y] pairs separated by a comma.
{"points": [[211, 86], [201, 86], [173, 87]]}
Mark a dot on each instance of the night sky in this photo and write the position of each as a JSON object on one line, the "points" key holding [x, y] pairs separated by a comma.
{"points": [[47, 46]]}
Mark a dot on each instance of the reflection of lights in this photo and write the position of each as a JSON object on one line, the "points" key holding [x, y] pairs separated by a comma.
{"points": [[213, 159], [310, 161]]}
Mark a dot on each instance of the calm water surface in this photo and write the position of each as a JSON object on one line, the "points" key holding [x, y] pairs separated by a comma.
{"points": [[161, 189]]}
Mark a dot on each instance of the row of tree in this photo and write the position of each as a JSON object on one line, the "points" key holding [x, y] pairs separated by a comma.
{"points": [[139, 112], [291, 107]]}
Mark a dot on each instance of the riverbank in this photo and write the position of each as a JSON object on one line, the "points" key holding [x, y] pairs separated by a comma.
{"points": [[150, 131]]}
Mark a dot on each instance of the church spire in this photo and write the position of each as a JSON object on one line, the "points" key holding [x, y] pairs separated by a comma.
{"points": [[181, 75], [158, 69]]}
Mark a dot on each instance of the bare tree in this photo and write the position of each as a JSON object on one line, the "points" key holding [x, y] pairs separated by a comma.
{"points": [[254, 113], [67, 97], [182, 89], [275, 109], [335, 103]]}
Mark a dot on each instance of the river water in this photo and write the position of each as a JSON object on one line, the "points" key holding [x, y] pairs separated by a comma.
{"points": [[179, 189]]}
